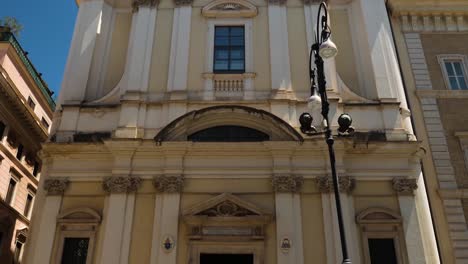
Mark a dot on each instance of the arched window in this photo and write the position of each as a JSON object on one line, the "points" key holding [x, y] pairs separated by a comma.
{"points": [[228, 134]]}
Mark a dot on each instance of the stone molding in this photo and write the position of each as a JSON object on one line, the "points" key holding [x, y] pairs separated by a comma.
{"points": [[277, 2], [432, 21], [287, 183], [56, 186], [169, 183], [121, 184], [325, 184], [183, 2], [312, 2], [404, 186], [229, 8], [137, 3]]}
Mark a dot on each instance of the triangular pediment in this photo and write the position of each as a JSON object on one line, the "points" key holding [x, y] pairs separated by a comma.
{"points": [[225, 205], [229, 8]]}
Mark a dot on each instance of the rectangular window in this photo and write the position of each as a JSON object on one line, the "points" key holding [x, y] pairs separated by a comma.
{"points": [[31, 103], [382, 251], [19, 153], [45, 123], [75, 250], [18, 249], [37, 168], [27, 207], [10, 191], [2, 129], [229, 49]]}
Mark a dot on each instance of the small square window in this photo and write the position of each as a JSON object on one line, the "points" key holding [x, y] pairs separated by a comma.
{"points": [[31, 103], [229, 49], [45, 123], [454, 70], [19, 152]]}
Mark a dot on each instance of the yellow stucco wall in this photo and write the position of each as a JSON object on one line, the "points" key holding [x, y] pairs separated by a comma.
{"points": [[142, 230], [298, 50], [197, 52]]}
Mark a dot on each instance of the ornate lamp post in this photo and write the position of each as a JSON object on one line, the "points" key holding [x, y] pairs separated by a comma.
{"points": [[324, 48]]}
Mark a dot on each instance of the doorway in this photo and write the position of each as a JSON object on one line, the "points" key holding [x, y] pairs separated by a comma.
{"points": [[226, 258]]}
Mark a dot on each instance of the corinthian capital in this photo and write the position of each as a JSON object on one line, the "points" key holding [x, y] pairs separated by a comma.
{"points": [[404, 186], [121, 184], [277, 2], [311, 2], [287, 183], [169, 183], [56, 186], [345, 183], [137, 3]]}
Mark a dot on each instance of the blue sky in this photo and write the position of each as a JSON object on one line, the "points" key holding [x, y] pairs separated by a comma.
{"points": [[46, 35]]}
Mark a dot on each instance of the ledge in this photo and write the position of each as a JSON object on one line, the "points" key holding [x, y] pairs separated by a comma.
{"points": [[458, 94]]}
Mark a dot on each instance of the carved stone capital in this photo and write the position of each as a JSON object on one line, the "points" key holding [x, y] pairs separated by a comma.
{"points": [[325, 184], [287, 183], [404, 186], [137, 3], [183, 2], [169, 183], [121, 184], [56, 186], [277, 2]]}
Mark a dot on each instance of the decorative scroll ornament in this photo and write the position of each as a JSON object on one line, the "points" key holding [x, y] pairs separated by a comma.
{"points": [[137, 3], [227, 208], [325, 184], [404, 186], [287, 183], [56, 186], [121, 184], [183, 2], [169, 183]]}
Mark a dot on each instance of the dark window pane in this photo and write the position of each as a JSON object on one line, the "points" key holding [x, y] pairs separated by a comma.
{"points": [[19, 153], [458, 68], [75, 250], [382, 251], [229, 134], [449, 68], [27, 207], [222, 31], [2, 129], [18, 248], [237, 31], [226, 258], [222, 41], [453, 83], [222, 54], [221, 65], [11, 190], [36, 169], [237, 54], [237, 65], [462, 82], [237, 41]]}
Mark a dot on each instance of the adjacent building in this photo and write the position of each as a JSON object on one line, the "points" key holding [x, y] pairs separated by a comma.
{"points": [[26, 108], [432, 39], [177, 140]]}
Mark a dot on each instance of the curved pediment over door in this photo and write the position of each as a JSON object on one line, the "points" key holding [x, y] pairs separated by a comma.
{"points": [[229, 9], [226, 215]]}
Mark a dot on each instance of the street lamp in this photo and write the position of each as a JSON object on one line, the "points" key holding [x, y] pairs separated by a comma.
{"points": [[324, 48]]}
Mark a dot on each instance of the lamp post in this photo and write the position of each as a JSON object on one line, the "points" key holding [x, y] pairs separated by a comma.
{"points": [[325, 48]]}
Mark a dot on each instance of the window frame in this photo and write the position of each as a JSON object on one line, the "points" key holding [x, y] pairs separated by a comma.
{"points": [[15, 188], [45, 123], [387, 227], [229, 48], [27, 213], [71, 227], [31, 103], [443, 58], [248, 45]]}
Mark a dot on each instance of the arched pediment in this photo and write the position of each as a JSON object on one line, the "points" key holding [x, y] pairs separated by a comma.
{"points": [[229, 8], [79, 215], [377, 215], [181, 128]]}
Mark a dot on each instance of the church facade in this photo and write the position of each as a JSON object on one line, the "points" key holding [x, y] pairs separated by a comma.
{"points": [[177, 139]]}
